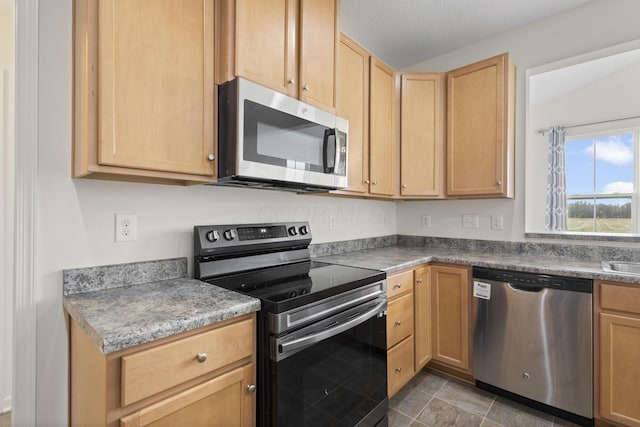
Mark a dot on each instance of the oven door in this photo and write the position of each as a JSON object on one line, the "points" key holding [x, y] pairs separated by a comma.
{"points": [[333, 372]]}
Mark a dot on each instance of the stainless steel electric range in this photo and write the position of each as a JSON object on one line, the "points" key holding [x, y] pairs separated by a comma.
{"points": [[321, 330]]}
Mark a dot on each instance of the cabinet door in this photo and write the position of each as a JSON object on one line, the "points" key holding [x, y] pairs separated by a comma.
{"points": [[157, 93], [422, 135], [399, 366], [352, 103], [318, 45], [224, 401], [422, 316], [450, 287], [381, 123], [265, 40], [619, 374], [480, 126]]}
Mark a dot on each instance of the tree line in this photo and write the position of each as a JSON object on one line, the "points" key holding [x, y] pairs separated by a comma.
{"points": [[582, 209]]}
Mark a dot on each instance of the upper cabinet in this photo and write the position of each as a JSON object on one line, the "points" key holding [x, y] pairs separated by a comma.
{"points": [[422, 114], [480, 129], [366, 96], [144, 92], [287, 45], [382, 153], [353, 104]]}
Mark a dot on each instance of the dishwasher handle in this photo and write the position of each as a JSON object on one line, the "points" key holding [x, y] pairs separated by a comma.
{"points": [[525, 288]]}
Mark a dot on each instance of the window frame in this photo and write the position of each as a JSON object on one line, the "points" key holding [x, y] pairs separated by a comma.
{"points": [[603, 130]]}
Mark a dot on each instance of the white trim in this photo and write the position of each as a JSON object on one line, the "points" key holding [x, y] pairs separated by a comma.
{"points": [[26, 200]]}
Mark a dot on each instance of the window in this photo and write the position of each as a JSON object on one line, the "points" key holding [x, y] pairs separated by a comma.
{"points": [[602, 182]]}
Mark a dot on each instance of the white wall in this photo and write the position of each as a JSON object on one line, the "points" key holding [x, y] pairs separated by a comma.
{"points": [[6, 208], [613, 96], [76, 217], [596, 25]]}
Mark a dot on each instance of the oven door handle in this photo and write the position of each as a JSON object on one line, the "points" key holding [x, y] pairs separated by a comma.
{"points": [[295, 345]]}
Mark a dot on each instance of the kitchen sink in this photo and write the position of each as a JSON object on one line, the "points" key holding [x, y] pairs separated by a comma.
{"points": [[621, 267]]}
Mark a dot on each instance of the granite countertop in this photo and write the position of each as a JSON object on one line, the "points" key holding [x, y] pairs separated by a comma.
{"points": [[116, 318], [395, 258]]}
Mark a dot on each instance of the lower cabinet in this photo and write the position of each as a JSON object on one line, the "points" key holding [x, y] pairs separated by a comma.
{"points": [[201, 377], [399, 331], [450, 319], [427, 320], [617, 355]]}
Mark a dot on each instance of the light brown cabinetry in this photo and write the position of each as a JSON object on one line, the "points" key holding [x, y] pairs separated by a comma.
{"points": [[480, 129], [422, 316], [366, 96], [450, 320], [400, 344], [144, 92], [352, 103], [382, 152], [422, 124], [206, 374], [617, 344], [287, 45]]}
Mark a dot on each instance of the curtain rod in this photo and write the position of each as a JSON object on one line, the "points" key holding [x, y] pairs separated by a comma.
{"points": [[543, 131]]}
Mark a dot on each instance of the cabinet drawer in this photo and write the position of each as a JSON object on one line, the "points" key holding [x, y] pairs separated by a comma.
{"points": [[399, 365], [399, 319], [156, 369], [621, 298], [399, 283]]}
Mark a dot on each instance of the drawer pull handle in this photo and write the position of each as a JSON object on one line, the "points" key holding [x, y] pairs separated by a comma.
{"points": [[251, 388], [398, 286], [398, 370], [201, 357], [397, 322]]}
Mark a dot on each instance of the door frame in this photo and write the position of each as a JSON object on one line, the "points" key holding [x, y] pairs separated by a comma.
{"points": [[26, 212]]}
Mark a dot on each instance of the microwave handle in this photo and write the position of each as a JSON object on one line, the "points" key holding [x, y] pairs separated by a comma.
{"points": [[330, 150]]}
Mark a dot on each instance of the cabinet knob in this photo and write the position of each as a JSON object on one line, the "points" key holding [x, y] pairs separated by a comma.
{"points": [[397, 286], [398, 322], [419, 280], [251, 388], [201, 357], [398, 370], [498, 183], [291, 81], [366, 181], [404, 185], [211, 157], [305, 87], [374, 182]]}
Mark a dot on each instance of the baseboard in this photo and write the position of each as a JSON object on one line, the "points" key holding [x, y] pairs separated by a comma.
{"points": [[5, 405]]}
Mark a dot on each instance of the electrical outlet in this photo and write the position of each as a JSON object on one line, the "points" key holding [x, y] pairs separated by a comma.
{"points": [[470, 221], [426, 221], [496, 222], [332, 222], [126, 228]]}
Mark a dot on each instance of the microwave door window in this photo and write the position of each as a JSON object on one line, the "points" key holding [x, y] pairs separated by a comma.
{"points": [[276, 138]]}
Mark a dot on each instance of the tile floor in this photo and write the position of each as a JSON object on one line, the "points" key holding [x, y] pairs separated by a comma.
{"points": [[5, 420], [432, 399]]}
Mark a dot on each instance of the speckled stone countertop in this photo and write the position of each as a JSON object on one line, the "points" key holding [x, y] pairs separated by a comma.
{"points": [[116, 318], [395, 258]]}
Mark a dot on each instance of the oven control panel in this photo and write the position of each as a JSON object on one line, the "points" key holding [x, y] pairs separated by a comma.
{"points": [[219, 239]]}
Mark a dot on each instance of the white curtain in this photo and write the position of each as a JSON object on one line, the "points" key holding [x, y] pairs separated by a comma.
{"points": [[556, 216]]}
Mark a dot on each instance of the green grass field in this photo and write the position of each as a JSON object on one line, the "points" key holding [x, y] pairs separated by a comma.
{"points": [[603, 225]]}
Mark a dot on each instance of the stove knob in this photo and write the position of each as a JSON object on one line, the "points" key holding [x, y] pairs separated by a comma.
{"points": [[304, 230], [213, 236], [292, 231], [229, 234]]}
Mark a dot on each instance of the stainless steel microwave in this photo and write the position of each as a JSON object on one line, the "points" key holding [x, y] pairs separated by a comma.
{"points": [[269, 140]]}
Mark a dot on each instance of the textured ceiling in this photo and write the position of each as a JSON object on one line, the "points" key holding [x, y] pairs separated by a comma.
{"points": [[405, 32]]}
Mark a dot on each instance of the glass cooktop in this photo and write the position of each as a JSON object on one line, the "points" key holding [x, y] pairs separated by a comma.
{"points": [[285, 287]]}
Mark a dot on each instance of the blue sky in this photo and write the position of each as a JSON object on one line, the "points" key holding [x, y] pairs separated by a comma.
{"points": [[613, 165]]}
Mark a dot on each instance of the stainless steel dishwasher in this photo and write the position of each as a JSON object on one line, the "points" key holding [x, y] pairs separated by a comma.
{"points": [[532, 339]]}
